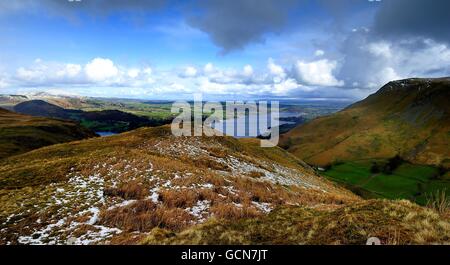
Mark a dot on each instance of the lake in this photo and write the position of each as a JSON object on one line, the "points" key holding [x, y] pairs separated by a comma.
{"points": [[104, 134]]}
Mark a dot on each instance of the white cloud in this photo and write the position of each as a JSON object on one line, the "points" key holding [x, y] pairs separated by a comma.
{"points": [[177, 87], [101, 69], [317, 73], [206, 86], [388, 74], [190, 71], [148, 71], [41, 72], [380, 49], [319, 53], [209, 68], [133, 72], [248, 70], [3, 83], [28, 74], [369, 63], [284, 87], [69, 70], [228, 76], [275, 69], [102, 77]]}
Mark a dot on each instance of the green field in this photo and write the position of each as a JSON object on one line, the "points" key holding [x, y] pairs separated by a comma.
{"points": [[407, 181], [152, 110]]}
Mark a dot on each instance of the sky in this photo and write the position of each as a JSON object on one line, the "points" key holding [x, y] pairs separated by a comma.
{"points": [[224, 49]]}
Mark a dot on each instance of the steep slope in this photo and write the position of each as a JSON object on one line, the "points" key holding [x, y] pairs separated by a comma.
{"points": [[22, 133], [105, 120], [119, 188], [409, 118]]}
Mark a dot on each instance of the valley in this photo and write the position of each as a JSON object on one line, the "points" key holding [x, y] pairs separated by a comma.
{"points": [[406, 120], [416, 183], [114, 121], [112, 115]]}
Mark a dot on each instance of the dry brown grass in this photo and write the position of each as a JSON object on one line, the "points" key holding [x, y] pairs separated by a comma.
{"points": [[174, 219], [210, 164], [135, 217], [394, 223], [178, 199], [255, 174], [214, 179], [144, 215], [128, 191], [276, 194], [231, 212], [83, 229], [200, 177], [217, 152]]}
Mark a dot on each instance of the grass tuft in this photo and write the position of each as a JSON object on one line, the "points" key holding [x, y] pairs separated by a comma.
{"points": [[439, 201]]}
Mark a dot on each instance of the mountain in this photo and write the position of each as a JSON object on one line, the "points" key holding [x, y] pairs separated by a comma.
{"points": [[21, 133], [407, 118], [60, 99], [150, 187], [104, 120], [45, 109]]}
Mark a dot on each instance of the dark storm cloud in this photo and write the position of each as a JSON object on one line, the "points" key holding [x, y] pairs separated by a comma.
{"points": [[233, 24], [414, 18], [105, 6], [72, 8]]}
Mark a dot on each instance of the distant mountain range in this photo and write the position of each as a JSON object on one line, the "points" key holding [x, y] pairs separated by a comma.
{"points": [[409, 118], [64, 101]]}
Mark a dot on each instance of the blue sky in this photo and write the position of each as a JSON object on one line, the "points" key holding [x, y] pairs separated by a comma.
{"points": [[224, 49]]}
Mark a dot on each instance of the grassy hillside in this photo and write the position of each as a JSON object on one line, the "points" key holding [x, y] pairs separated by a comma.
{"points": [[393, 222], [121, 187], [129, 188], [103, 120], [410, 118], [22, 133]]}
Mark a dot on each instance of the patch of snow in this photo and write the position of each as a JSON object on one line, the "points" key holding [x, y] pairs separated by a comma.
{"points": [[122, 204], [199, 210], [154, 195], [238, 205], [41, 237], [263, 206], [95, 213], [92, 237]]}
